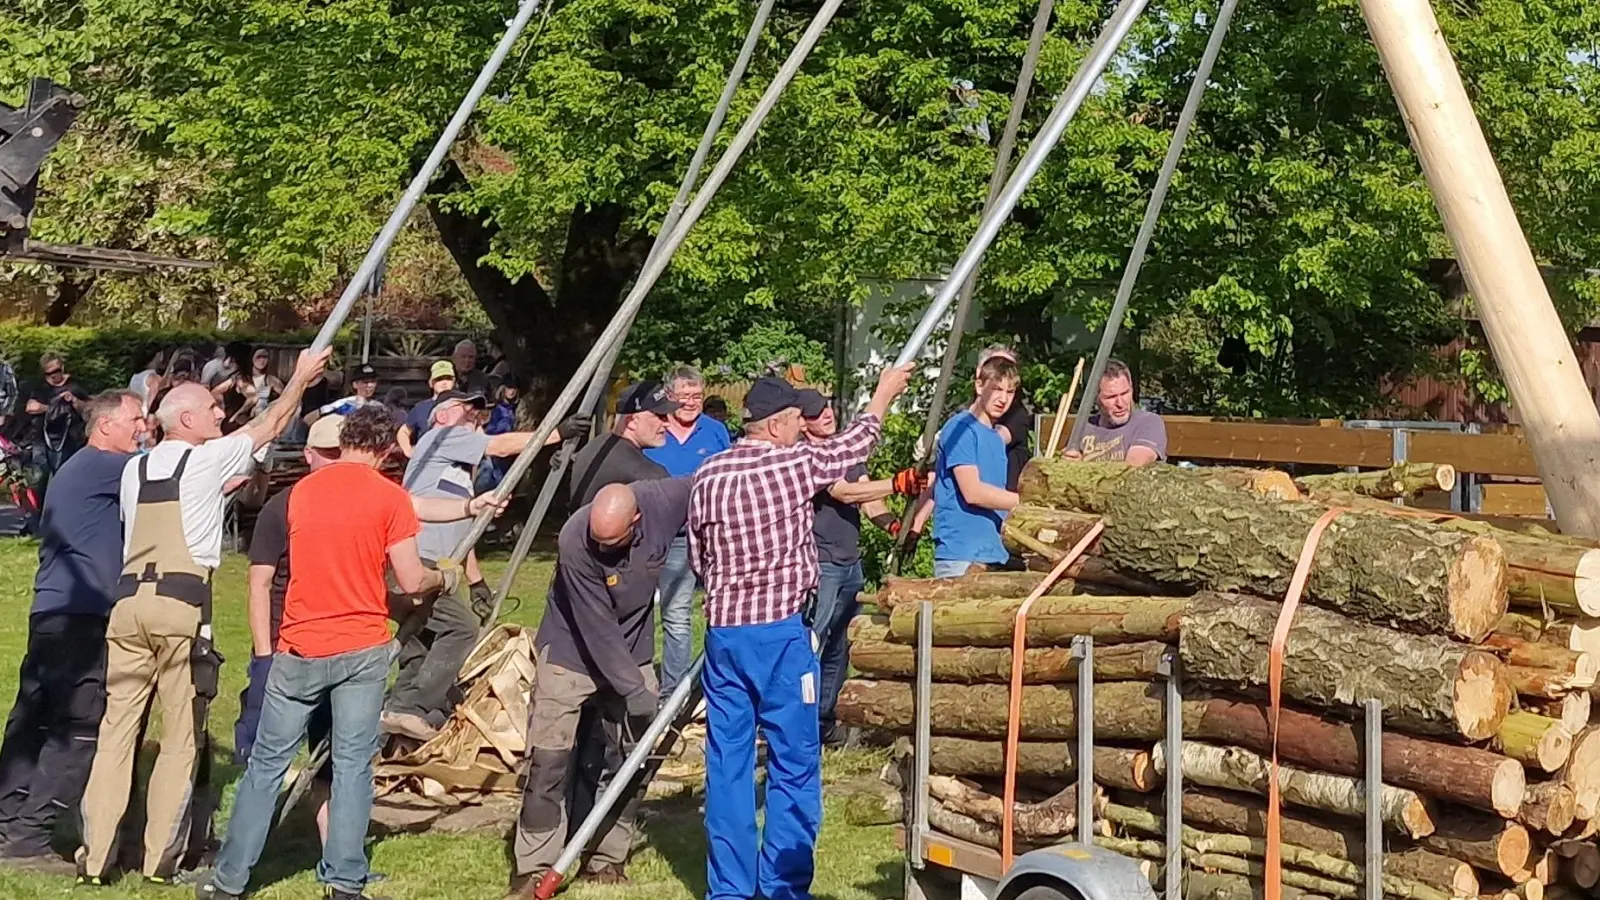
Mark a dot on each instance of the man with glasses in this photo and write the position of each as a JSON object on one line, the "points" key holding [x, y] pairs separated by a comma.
{"points": [[56, 407], [61, 691], [692, 438]]}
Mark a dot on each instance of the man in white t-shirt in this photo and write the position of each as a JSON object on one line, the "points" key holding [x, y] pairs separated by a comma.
{"points": [[159, 634]]}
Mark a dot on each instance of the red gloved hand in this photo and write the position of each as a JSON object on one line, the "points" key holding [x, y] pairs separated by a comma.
{"points": [[909, 482]]}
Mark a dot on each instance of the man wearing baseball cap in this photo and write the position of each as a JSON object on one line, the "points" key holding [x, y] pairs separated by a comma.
{"points": [[363, 385], [751, 543], [618, 457], [441, 378], [442, 466], [837, 531]]}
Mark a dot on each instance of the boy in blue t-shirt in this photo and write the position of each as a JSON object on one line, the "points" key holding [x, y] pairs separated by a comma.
{"points": [[970, 500]]}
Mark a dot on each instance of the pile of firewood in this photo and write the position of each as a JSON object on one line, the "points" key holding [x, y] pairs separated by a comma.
{"points": [[1472, 637]]}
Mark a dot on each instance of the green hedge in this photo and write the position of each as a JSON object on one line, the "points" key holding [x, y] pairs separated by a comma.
{"points": [[103, 358]]}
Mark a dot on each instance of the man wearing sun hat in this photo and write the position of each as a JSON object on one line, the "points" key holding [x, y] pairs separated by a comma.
{"points": [[441, 378]]}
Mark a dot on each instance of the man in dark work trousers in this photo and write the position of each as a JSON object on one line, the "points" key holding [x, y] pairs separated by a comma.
{"points": [[595, 646]]}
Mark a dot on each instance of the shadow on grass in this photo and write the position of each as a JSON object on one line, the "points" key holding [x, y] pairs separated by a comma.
{"points": [[888, 881], [675, 829]]}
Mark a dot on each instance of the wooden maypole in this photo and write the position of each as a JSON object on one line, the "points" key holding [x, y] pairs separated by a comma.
{"points": [[1529, 343]]}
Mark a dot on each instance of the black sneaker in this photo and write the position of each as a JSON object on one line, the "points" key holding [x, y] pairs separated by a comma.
{"points": [[332, 893]]}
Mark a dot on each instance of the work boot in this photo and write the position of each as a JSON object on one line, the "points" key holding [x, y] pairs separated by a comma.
{"points": [[521, 886], [407, 725], [205, 890], [329, 892], [606, 873]]}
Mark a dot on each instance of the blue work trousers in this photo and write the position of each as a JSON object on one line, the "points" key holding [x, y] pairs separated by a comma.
{"points": [[354, 683], [761, 676], [837, 590]]}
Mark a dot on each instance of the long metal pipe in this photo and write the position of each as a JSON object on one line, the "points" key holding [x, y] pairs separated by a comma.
{"points": [[655, 266], [1152, 214], [419, 182], [602, 375], [1067, 106], [958, 327]]}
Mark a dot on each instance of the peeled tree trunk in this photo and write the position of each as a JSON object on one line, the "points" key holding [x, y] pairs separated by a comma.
{"points": [[1189, 528], [1130, 711], [1428, 685]]}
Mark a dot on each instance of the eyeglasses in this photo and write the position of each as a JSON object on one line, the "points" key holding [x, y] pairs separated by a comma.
{"points": [[688, 398], [54, 372]]}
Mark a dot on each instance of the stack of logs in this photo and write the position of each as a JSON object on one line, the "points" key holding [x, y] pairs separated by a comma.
{"points": [[1472, 637]]}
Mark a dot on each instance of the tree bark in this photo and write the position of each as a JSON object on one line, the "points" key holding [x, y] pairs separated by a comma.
{"points": [[978, 586], [1428, 685], [1399, 480], [1581, 633], [76, 285], [1052, 621], [1583, 862], [1189, 528], [1117, 767], [1238, 769], [1131, 711], [1242, 814], [1578, 667], [1572, 710], [1536, 741], [1582, 772], [1491, 845], [1549, 807], [1041, 535], [1545, 684], [1337, 868], [1223, 886], [1052, 816], [1042, 665]]}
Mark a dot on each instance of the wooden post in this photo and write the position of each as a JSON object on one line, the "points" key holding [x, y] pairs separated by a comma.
{"points": [[1530, 345]]}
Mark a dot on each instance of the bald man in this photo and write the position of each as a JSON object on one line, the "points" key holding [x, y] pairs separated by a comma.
{"points": [[596, 642], [158, 639]]}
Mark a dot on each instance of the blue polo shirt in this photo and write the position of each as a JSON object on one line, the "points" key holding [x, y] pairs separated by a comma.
{"points": [[708, 438]]}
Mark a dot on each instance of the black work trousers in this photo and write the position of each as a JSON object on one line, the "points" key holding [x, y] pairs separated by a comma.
{"points": [[50, 735], [431, 658]]}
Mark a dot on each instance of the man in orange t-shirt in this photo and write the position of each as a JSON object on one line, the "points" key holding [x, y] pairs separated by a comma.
{"points": [[346, 522]]}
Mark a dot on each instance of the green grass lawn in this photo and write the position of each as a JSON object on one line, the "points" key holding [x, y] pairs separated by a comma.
{"points": [[853, 863]]}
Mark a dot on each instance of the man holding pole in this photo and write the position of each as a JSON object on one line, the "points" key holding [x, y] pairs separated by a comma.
{"points": [[751, 542], [595, 647]]}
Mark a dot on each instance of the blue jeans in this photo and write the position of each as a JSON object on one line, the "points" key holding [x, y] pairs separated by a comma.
{"points": [[950, 568], [354, 683], [837, 589], [677, 614], [766, 676]]}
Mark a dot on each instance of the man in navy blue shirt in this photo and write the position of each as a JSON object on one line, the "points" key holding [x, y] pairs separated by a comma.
{"points": [[692, 438], [50, 735], [441, 378]]}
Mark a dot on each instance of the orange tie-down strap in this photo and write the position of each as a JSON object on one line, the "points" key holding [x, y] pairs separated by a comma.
{"points": [[1019, 643], [1280, 641]]}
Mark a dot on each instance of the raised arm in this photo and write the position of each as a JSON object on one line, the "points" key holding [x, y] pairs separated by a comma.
{"points": [[833, 458], [512, 442], [271, 423]]}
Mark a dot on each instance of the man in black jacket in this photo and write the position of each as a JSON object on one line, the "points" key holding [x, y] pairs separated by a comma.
{"points": [[595, 645]]}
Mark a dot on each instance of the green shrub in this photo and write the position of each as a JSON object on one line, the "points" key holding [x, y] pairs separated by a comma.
{"points": [[104, 358]]}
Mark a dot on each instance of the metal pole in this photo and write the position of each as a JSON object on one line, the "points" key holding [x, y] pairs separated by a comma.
{"points": [[997, 181], [1083, 648], [654, 267], [1071, 99], [1173, 888], [602, 375], [923, 724], [419, 182], [1373, 786], [1152, 214]]}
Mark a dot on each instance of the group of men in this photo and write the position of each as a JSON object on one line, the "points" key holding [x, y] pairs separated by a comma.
{"points": [[768, 525]]}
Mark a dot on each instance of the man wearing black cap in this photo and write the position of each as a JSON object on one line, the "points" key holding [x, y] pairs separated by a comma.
{"points": [[618, 457], [837, 530], [442, 465], [751, 543], [363, 385]]}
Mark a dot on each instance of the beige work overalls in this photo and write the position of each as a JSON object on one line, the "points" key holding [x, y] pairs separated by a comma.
{"points": [[161, 618]]}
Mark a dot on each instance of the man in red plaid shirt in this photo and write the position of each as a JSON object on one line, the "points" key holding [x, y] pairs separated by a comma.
{"points": [[750, 540]]}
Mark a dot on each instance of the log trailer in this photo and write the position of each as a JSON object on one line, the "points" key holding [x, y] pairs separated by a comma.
{"points": [[942, 867]]}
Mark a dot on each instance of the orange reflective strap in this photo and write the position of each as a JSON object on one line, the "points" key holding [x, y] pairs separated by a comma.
{"points": [[1280, 640], [1019, 644]]}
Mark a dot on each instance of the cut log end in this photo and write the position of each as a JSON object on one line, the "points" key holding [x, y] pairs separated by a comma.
{"points": [[1482, 695], [1445, 477], [1477, 588], [1514, 849], [1586, 582], [1508, 787]]}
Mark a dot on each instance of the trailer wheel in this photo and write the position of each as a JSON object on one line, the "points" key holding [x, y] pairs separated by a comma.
{"points": [[1047, 892]]}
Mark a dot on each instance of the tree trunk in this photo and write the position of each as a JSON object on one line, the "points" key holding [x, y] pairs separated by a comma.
{"points": [[1582, 772], [1399, 480], [1572, 710], [1233, 813], [1337, 868], [877, 804], [1222, 886], [1190, 528], [1132, 711], [1577, 666], [1492, 845], [978, 586], [1093, 574], [75, 286], [1583, 862], [1549, 807], [1116, 767], [1052, 621], [1546, 574], [1580, 633], [1043, 665], [1538, 742], [1428, 685], [1546, 684], [1237, 769], [1054, 815]]}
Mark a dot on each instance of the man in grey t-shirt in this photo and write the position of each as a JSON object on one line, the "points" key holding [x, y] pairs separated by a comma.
{"points": [[1120, 432], [442, 465]]}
